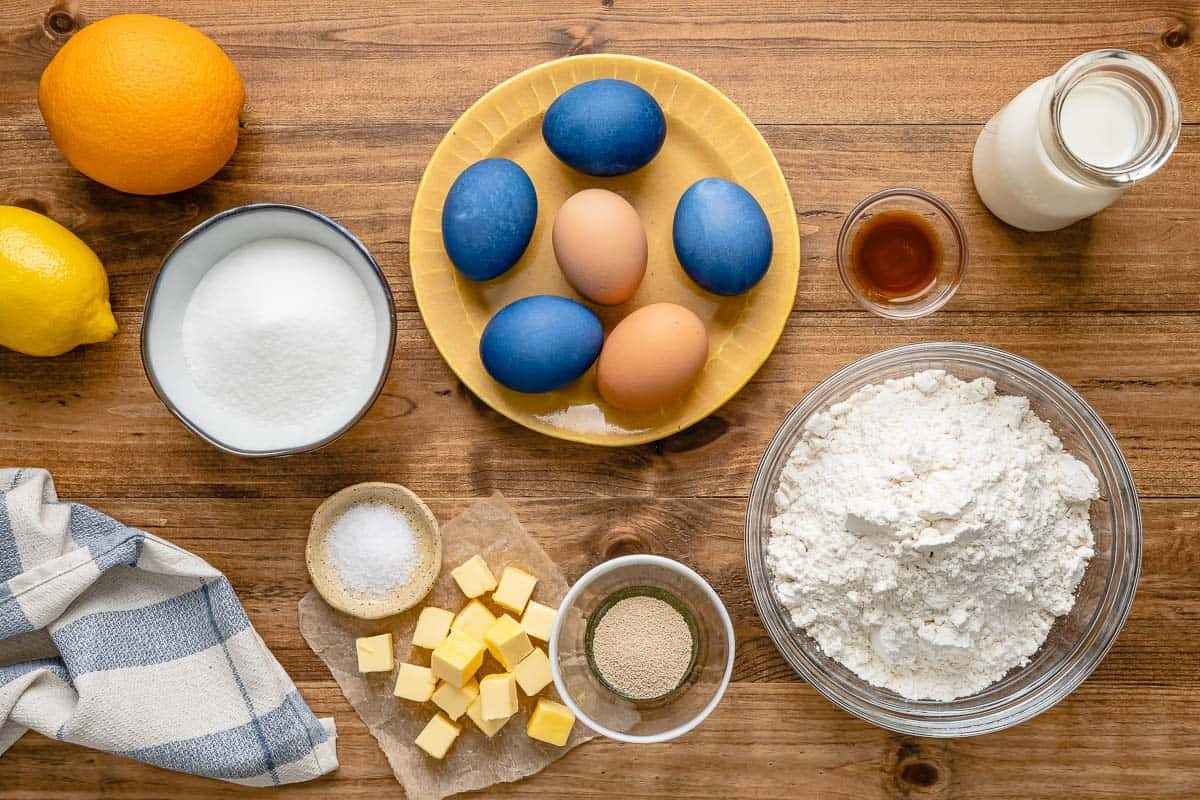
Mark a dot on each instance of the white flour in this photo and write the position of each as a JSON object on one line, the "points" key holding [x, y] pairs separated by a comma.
{"points": [[928, 531]]}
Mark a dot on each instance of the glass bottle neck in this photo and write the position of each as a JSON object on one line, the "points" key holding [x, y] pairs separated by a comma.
{"points": [[1109, 118]]}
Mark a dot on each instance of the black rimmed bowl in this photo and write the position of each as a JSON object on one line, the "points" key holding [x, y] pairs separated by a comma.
{"points": [[190, 259]]}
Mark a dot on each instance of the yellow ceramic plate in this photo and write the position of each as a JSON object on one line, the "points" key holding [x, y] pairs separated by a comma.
{"points": [[707, 135]]}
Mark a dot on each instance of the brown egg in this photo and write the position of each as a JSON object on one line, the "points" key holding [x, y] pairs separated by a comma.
{"points": [[600, 245], [652, 357]]}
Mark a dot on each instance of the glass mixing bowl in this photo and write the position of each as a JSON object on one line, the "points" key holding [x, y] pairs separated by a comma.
{"points": [[1077, 642]]}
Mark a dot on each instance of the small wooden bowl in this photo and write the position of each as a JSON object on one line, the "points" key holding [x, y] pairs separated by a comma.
{"points": [[428, 544]]}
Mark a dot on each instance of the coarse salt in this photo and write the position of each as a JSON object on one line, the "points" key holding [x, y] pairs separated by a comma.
{"points": [[372, 548]]}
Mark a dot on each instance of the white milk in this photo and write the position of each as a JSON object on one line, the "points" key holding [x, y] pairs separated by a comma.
{"points": [[1072, 143], [1103, 123]]}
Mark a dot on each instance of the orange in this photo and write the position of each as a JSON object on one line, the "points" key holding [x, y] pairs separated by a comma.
{"points": [[144, 104]]}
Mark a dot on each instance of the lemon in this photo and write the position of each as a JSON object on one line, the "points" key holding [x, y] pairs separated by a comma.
{"points": [[53, 288]]}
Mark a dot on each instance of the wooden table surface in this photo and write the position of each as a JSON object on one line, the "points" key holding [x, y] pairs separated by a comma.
{"points": [[347, 100]]}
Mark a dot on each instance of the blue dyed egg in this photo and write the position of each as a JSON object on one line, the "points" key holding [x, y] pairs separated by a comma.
{"points": [[605, 127], [722, 237], [540, 343], [488, 218]]}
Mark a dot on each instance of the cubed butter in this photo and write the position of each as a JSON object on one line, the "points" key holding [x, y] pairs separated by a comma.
{"points": [[474, 577], [438, 735], [533, 673], [475, 619], [433, 626], [538, 620], [488, 727], [516, 585], [457, 659], [507, 641], [498, 694], [414, 683], [550, 722], [454, 701], [375, 653]]}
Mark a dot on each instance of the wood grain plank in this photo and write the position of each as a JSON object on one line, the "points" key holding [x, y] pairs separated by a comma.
{"points": [[92, 418], [814, 62], [764, 740], [259, 545], [346, 103], [1138, 256]]}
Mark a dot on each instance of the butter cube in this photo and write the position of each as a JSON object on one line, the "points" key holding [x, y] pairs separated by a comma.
{"points": [[516, 585], [538, 621], [550, 722], [433, 626], [437, 736], [506, 640], [533, 673], [457, 659], [475, 619], [488, 727], [375, 653], [498, 693], [414, 683], [454, 701], [474, 577]]}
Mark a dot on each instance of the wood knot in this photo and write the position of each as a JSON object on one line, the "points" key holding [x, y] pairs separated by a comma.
{"points": [[915, 771], [579, 38], [60, 21], [394, 406], [919, 774], [623, 544], [607, 3], [704, 432], [1177, 36]]}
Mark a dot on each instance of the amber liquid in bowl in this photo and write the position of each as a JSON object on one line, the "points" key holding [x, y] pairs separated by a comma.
{"points": [[895, 255]]}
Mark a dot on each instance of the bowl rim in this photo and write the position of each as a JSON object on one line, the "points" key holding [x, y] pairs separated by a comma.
{"points": [[197, 231], [1070, 670], [930, 200], [682, 570], [402, 599]]}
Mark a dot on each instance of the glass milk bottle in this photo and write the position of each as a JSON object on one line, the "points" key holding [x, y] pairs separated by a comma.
{"points": [[1072, 143]]}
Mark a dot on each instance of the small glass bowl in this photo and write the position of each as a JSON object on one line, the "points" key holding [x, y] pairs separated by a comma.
{"points": [[950, 233], [1077, 642], [642, 721]]}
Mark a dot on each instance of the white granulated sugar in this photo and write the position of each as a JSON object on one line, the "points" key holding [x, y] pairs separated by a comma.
{"points": [[279, 337], [372, 548], [928, 532]]}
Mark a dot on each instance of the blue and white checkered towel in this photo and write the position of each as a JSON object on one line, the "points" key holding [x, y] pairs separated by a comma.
{"points": [[118, 640]]}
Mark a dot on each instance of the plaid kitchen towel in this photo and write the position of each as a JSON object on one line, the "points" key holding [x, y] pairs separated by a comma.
{"points": [[118, 640]]}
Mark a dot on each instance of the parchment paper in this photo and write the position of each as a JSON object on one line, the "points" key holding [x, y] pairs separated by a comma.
{"points": [[474, 762]]}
